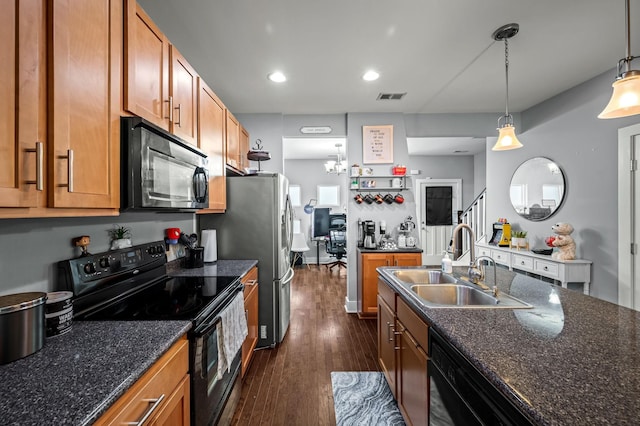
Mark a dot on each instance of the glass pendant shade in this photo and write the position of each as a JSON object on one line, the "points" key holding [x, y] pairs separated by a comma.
{"points": [[506, 139], [625, 100]]}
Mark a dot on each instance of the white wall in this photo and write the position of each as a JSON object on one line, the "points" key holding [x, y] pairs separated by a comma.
{"points": [[566, 130]]}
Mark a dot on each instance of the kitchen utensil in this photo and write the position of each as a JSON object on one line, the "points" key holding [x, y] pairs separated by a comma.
{"points": [[21, 325], [195, 257]]}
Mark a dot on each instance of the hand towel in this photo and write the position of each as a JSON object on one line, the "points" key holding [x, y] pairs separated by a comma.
{"points": [[232, 330]]}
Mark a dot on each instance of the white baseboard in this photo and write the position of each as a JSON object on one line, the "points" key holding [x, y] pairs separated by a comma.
{"points": [[351, 306]]}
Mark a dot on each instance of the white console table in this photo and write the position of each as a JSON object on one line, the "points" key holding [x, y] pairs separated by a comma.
{"points": [[564, 271]]}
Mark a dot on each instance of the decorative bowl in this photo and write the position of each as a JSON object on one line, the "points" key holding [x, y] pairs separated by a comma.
{"points": [[545, 251]]}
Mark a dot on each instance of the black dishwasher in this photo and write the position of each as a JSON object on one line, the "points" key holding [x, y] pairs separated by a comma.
{"points": [[460, 395]]}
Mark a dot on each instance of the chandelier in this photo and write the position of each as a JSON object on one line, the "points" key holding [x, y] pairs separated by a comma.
{"points": [[336, 166]]}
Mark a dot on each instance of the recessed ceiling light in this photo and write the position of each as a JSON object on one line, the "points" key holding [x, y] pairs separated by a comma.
{"points": [[277, 77], [370, 75]]}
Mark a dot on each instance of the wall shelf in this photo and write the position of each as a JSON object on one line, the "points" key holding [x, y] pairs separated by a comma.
{"points": [[377, 183]]}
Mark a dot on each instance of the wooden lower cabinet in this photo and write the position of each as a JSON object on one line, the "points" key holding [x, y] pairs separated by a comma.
{"points": [[160, 397], [403, 355], [368, 276], [250, 281]]}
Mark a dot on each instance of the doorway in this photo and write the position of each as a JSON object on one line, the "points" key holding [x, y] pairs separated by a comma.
{"points": [[437, 204], [628, 217]]}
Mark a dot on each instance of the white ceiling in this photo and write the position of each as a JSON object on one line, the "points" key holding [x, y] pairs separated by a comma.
{"points": [[440, 52]]}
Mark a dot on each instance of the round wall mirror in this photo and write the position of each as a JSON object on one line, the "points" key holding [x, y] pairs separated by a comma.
{"points": [[537, 189]]}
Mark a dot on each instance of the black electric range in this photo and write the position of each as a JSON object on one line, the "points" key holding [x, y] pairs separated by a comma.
{"points": [[132, 284]]}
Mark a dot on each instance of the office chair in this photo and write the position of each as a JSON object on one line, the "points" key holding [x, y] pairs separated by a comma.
{"points": [[337, 247]]}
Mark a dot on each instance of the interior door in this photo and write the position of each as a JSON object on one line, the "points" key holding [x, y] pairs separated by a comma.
{"points": [[628, 217], [437, 204]]}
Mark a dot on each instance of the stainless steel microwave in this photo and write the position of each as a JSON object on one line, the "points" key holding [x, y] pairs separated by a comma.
{"points": [[159, 170]]}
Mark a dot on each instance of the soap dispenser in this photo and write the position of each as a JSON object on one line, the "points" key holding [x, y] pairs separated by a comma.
{"points": [[447, 264]]}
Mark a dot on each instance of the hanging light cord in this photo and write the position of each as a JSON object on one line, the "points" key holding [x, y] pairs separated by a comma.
{"points": [[626, 61], [506, 71]]}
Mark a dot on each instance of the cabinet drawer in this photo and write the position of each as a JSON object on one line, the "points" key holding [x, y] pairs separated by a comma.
{"points": [[414, 324], [522, 262], [387, 294], [161, 379], [250, 277], [484, 251], [500, 257], [547, 269]]}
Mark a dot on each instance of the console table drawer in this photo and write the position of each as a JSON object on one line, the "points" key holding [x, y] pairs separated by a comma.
{"points": [[547, 269], [500, 257], [522, 262], [483, 251]]}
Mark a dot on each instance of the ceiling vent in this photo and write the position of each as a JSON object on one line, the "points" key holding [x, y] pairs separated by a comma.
{"points": [[390, 96]]}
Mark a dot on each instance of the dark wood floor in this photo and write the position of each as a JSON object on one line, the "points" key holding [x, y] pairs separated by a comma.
{"points": [[291, 384]]}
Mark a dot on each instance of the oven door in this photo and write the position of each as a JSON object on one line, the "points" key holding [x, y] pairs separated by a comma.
{"points": [[446, 406], [209, 393]]}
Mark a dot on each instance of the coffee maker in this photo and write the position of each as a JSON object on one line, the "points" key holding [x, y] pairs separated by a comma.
{"points": [[369, 234]]}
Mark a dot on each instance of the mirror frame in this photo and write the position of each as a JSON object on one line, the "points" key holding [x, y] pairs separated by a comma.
{"points": [[539, 215]]}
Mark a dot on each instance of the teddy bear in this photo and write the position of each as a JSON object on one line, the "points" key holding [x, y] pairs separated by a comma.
{"points": [[564, 242]]}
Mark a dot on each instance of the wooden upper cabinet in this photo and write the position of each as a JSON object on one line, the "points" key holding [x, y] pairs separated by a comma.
{"points": [[84, 103], [211, 140], [22, 112], [146, 86], [184, 96], [233, 141]]}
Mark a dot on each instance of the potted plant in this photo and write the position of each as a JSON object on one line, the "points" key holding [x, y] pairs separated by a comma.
{"points": [[519, 239], [120, 237]]}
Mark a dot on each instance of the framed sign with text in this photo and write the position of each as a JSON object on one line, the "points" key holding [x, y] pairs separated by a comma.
{"points": [[377, 144]]}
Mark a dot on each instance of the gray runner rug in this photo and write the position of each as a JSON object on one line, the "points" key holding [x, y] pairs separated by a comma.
{"points": [[364, 399]]}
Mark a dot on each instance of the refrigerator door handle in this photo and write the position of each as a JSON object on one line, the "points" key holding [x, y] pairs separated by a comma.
{"points": [[288, 213], [288, 277]]}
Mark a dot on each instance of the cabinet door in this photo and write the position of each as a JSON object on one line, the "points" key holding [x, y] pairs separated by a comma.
{"points": [[211, 140], [176, 409], [387, 344], [84, 103], [146, 74], [22, 112], [233, 141], [251, 313], [243, 148], [413, 383], [407, 259], [369, 291], [184, 94]]}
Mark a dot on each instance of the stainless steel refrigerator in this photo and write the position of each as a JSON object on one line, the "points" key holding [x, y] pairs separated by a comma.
{"points": [[258, 224]]}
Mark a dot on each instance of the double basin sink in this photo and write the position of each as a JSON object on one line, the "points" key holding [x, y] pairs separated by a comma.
{"points": [[441, 290]]}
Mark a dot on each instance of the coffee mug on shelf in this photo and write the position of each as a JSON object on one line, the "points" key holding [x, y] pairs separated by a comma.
{"points": [[378, 199], [368, 199], [399, 199], [388, 198], [358, 198]]}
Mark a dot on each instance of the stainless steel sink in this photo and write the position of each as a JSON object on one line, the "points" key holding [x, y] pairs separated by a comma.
{"points": [[464, 296], [424, 276]]}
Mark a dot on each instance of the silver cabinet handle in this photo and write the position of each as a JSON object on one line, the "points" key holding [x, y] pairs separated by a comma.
{"points": [[155, 403], [39, 182], [389, 326], [69, 158], [179, 109]]}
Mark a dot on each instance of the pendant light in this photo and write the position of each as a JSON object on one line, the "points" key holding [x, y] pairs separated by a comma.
{"points": [[336, 167], [506, 133], [625, 100]]}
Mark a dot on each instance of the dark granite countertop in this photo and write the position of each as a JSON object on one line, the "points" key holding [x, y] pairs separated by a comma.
{"points": [[76, 376], [220, 268], [397, 250], [572, 360]]}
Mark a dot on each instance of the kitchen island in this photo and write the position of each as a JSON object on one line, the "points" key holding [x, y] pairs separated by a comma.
{"points": [[78, 375], [571, 360]]}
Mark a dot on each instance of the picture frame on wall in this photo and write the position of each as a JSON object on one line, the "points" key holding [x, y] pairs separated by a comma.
{"points": [[377, 144]]}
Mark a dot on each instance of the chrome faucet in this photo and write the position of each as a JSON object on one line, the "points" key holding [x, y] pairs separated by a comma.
{"points": [[479, 275], [472, 240]]}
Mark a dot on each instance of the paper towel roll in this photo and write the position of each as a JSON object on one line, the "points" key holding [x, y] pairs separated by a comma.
{"points": [[209, 243]]}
